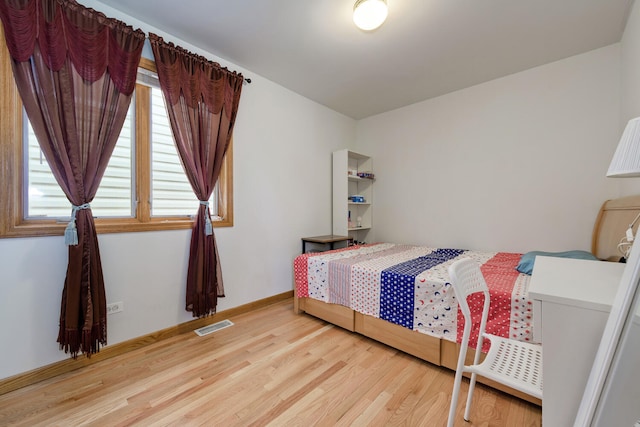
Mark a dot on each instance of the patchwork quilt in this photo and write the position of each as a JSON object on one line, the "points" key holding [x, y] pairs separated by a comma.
{"points": [[409, 286]]}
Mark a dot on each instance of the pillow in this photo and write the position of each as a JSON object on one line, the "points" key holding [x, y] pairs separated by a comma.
{"points": [[528, 260]]}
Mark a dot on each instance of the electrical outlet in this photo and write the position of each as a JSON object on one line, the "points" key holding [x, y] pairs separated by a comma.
{"points": [[115, 307]]}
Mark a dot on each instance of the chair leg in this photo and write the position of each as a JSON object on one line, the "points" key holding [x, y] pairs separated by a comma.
{"points": [[472, 386], [454, 397]]}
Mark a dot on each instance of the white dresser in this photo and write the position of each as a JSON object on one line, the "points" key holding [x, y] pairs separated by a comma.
{"points": [[571, 303]]}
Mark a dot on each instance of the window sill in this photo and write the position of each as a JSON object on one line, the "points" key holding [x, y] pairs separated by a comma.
{"points": [[103, 226]]}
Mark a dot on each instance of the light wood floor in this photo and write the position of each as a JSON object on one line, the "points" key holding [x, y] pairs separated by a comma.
{"points": [[271, 368]]}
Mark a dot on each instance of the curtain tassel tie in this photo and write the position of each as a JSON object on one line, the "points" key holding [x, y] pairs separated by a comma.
{"points": [[71, 232], [208, 227]]}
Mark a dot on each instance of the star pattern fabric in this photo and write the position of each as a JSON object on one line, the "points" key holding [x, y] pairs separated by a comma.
{"points": [[409, 286], [398, 285]]}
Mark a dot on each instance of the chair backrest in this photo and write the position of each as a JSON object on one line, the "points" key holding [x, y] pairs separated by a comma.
{"points": [[466, 279]]}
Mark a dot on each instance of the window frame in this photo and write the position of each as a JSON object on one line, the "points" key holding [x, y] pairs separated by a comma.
{"points": [[12, 217]]}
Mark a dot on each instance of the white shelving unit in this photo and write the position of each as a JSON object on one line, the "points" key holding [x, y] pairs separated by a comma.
{"points": [[353, 219]]}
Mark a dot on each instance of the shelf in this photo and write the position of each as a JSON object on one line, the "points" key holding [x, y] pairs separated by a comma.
{"points": [[355, 178], [343, 190]]}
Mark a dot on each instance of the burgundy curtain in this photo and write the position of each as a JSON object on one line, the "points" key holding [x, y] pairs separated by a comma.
{"points": [[75, 70], [202, 102]]}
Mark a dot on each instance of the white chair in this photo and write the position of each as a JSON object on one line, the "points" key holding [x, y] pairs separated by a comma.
{"points": [[509, 362]]}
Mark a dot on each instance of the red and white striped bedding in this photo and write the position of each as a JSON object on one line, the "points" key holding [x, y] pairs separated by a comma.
{"points": [[409, 286]]}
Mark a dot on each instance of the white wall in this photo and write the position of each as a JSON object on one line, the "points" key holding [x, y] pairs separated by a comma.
{"points": [[282, 192], [631, 65], [630, 85], [514, 164]]}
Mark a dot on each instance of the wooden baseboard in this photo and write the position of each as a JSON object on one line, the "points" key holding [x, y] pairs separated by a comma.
{"points": [[39, 374]]}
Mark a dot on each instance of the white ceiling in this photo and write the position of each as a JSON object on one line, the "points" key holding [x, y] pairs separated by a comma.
{"points": [[426, 48]]}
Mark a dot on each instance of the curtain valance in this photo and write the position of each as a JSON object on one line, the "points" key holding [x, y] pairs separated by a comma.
{"points": [[64, 30], [196, 77]]}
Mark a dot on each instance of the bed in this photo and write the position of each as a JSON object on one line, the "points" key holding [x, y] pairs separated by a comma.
{"points": [[399, 294]]}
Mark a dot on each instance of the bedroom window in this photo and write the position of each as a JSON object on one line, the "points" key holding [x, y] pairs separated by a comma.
{"points": [[144, 187], [43, 198], [171, 193]]}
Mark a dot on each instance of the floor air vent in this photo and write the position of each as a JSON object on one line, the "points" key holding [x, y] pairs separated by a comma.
{"points": [[206, 330]]}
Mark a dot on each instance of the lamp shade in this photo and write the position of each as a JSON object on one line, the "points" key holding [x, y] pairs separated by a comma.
{"points": [[626, 160], [369, 14]]}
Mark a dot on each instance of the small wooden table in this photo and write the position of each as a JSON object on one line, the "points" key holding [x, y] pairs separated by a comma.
{"points": [[330, 239]]}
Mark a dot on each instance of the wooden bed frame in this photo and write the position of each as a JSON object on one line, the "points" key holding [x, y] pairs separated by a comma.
{"points": [[612, 221], [614, 218]]}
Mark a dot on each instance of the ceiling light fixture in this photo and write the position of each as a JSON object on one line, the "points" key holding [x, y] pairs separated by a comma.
{"points": [[369, 14]]}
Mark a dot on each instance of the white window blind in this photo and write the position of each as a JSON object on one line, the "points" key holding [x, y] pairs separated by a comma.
{"points": [[171, 193], [114, 198]]}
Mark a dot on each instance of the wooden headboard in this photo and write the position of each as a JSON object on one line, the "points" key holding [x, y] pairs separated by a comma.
{"points": [[612, 222]]}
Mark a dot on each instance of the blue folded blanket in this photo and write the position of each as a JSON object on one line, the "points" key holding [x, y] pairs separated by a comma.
{"points": [[528, 260]]}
